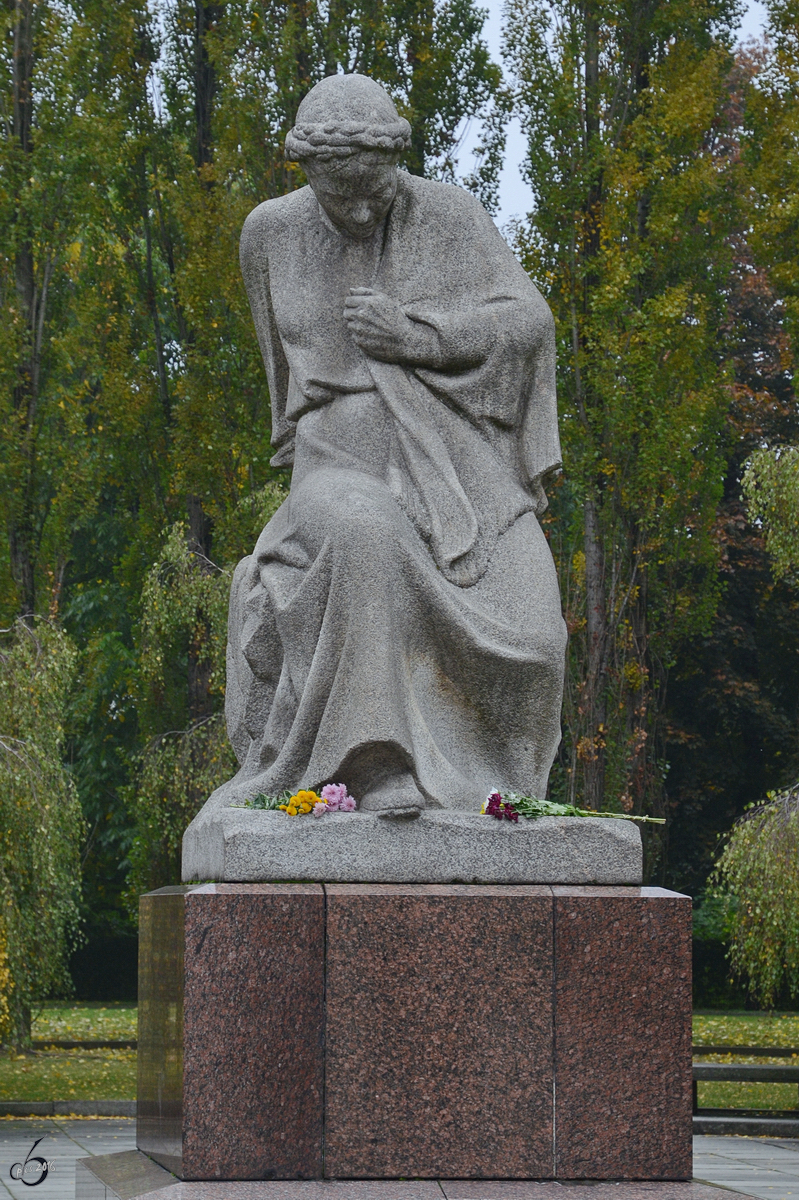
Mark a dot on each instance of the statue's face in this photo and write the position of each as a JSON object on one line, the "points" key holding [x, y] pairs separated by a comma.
{"points": [[355, 192]]}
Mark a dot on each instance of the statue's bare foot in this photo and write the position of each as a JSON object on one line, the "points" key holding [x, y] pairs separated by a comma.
{"points": [[396, 798]]}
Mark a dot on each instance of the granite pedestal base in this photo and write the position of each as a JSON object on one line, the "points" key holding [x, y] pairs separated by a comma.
{"points": [[429, 1031], [442, 846]]}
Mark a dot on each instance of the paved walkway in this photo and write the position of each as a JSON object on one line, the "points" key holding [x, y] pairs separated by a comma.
{"points": [[766, 1168], [62, 1142]]}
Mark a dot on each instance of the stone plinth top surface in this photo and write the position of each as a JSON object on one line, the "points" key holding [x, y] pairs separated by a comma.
{"points": [[442, 846]]}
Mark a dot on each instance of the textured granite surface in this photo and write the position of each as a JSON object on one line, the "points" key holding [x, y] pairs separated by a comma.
{"points": [[398, 625], [397, 1030], [441, 847], [254, 1030], [242, 1039], [439, 1031], [159, 1124], [623, 1033]]}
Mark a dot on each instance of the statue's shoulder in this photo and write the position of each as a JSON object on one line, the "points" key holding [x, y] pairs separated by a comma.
{"points": [[441, 203], [271, 222]]}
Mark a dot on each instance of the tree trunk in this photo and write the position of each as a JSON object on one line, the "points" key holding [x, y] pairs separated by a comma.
{"points": [[20, 1026], [593, 745], [592, 136], [336, 41], [22, 524], [206, 17], [419, 43], [200, 701], [593, 750]]}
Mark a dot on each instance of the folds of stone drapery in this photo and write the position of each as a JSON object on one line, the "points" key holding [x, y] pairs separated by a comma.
{"points": [[347, 640]]}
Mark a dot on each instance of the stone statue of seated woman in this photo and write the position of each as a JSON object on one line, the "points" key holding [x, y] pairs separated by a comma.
{"points": [[398, 625]]}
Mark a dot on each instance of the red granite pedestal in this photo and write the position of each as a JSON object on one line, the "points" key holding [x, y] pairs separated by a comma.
{"points": [[385, 1031]]}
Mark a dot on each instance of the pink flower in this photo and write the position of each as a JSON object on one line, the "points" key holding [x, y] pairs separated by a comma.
{"points": [[319, 810], [336, 797]]}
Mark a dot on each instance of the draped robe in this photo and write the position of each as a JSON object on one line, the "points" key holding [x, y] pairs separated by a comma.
{"points": [[402, 606]]}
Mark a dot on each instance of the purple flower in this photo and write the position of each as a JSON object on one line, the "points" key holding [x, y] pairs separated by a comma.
{"points": [[319, 810], [494, 806], [338, 798]]}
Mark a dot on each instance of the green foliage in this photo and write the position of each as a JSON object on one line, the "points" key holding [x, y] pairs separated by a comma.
{"points": [[183, 598], [759, 864], [712, 917], [771, 488], [759, 867], [267, 803], [133, 400], [771, 482], [624, 107], [184, 604], [178, 773], [41, 826], [136, 139], [770, 140]]}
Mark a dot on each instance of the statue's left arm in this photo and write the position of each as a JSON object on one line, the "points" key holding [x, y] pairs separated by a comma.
{"points": [[254, 258], [497, 358]]}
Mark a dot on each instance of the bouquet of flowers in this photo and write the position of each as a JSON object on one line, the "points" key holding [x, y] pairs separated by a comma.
{"points": [[334, 798], [511, 806]]}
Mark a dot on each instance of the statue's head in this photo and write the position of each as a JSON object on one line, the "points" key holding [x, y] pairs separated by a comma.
{"points": [[348, 139]]}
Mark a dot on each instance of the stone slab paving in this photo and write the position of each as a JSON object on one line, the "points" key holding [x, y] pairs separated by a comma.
{"points": [[767, 1168], [764, 1168], [62, 1143]]}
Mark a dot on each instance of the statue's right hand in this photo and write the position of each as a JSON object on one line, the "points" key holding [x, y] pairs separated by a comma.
{"points": [[384, 331], [377, 324]]}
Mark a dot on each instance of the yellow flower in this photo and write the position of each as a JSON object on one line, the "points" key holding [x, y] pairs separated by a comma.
{"points": [[302, 802], [306, 797]]}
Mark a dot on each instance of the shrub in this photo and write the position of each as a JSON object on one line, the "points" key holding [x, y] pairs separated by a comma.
{"points": [[41, 824], [760, 867]]}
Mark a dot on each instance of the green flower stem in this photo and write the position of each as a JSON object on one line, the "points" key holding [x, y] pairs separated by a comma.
{"points": [[531, 808]]}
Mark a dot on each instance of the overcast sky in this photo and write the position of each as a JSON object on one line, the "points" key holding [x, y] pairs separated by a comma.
{"points": [[515, 198]]}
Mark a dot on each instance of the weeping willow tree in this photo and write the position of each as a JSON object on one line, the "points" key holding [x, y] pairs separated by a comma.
{"points": [[771, 488], [760, 864], [41, 824], [759, 868], [183, 637]]}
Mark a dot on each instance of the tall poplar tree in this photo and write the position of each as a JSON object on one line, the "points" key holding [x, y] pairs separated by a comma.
{"points": [[623, 105], [770, 145]]}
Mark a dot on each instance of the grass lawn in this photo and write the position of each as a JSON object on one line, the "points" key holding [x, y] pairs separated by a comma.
{"points": [[747, 1029], [111, 1074], [74, 1074], [87, 1021], [69, 1075]]}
